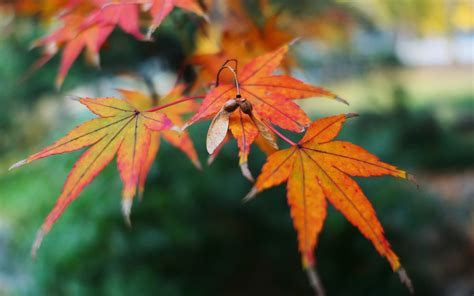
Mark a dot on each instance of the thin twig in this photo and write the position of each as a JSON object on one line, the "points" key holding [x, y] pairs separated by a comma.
{"points": [[234, 72], [278, 133], [174, 103], [236, 62], [237, 86]]}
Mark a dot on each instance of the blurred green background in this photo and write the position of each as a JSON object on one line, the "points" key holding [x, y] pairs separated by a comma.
{"points": [[405, 66]]}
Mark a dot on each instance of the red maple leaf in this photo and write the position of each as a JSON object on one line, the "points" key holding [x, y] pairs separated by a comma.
{"points": [[89, 24], [270, 98]]}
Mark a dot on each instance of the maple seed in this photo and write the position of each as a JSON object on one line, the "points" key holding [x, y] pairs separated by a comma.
{"points": [[217, 131], [272, 98], [246, 106], [231, 105]]}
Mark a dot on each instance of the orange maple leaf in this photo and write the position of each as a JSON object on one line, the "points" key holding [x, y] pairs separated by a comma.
{"points": [[270, 97], [124, 128], [175, 113], [239, 37], [318, 169]]}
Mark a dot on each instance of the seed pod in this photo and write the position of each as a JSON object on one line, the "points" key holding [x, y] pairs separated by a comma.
{"points": [[230, 105], [246, 106]]}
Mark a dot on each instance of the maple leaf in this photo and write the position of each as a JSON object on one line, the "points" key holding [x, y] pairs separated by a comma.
{"points": [[180, 140], [270, 97], [89, 28], [124, 129], [160, 9], [236, 36], [219, 128], [317, 170]]}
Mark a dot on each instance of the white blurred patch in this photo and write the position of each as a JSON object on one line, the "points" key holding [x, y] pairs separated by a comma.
{"points": [[436, 50]]}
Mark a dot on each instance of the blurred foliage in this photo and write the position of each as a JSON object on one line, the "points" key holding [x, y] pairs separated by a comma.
{"points": [[422, 16], [191, 234]]}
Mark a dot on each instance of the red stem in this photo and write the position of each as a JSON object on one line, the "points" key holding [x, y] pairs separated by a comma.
{"points": [[237, 86], [279, 134], [174, 103]]}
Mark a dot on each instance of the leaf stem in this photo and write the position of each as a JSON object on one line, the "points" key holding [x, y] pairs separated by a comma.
{"points": [[236, 62], [279, 134], [174, 103], [234, 72]]}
